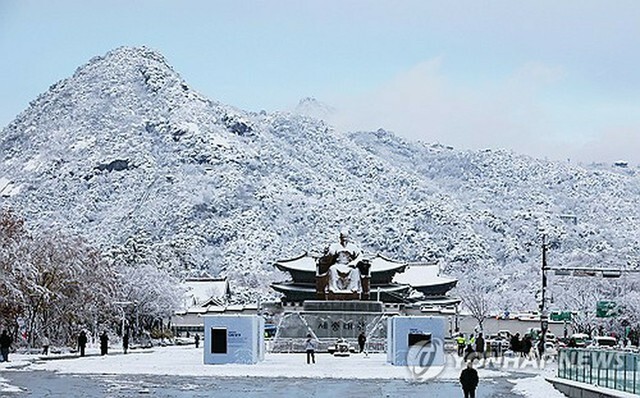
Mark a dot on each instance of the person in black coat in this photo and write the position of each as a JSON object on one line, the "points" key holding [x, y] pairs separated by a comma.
{"points": [[480, 346], [82, 342], [196, 338], [362, 339], [125, 342], [5, 345], [516, 343], [104, 343], [469, 380]]}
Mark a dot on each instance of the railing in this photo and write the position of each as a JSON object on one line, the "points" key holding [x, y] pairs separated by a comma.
{"points": [[618, 370]]}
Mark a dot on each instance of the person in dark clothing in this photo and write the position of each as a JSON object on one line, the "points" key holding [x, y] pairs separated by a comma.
{"points": [[5, 345], [469, 380], [125, 342], [196, 338], [515, 343], [460, 341], [104, 343], [362, 339], [480, 345], [82, 342]]}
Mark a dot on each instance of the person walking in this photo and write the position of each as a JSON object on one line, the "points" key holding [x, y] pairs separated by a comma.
{"points": [[45, 344], [516, 344], [82, 342], [5, 345], [469, 380], [125, 342], [362, 339], [480, 346], [310, 348], [197, 340], [104, 343]]}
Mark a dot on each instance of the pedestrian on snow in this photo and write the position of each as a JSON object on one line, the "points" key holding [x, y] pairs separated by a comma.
{"points": [[362, 339], [5, 345], [469, 380], [45, 344], [515, 343], [104, 343], [125, 342], [480, 345], [310, 347], [82, 342], [197, 340]]}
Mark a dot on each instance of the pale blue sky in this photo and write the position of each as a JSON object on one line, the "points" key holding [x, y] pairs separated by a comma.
{"points": [[556, 79]]}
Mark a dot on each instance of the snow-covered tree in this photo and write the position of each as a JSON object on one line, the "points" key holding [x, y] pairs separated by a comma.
{"points": [[53, 282]]}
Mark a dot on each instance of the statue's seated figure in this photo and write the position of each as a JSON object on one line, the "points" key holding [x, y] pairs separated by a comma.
{"points": [[344, 265]]}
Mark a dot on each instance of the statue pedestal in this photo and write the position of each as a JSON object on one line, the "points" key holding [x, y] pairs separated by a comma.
{"points": [[332, 320]]}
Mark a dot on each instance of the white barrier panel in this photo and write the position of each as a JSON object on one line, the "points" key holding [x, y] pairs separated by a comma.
{"points": [[233, 339], [415, 340]]}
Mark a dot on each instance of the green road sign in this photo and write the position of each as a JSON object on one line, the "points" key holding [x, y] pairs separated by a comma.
{"points": [[561, 316], [606, 309]]}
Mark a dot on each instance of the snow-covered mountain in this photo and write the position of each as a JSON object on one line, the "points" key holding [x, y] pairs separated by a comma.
{"points": [[313, 108], [126, 149]]}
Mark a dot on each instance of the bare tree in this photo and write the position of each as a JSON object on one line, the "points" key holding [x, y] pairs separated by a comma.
{"points": [[477, 300]]}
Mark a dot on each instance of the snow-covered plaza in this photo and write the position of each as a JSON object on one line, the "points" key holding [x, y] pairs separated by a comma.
{"points": [[179, 371]]}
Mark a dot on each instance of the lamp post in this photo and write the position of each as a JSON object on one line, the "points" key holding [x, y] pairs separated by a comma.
{"points": [[122, 304], [544, 317]]}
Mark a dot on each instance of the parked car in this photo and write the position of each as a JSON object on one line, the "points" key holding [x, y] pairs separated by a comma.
{"points": [[529, 316], [603, 342], [497, 343], [341, 348], [582, 339], [183, 341], [505, 334]]}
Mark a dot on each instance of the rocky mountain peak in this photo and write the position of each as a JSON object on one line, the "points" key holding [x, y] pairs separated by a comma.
{"points": [[124, 148]]}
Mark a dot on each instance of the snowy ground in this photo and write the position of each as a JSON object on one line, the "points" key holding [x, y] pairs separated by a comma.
{"points": [[160, 364]]}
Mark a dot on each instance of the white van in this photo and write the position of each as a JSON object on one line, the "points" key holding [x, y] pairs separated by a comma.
{"points": [[604, 342]]}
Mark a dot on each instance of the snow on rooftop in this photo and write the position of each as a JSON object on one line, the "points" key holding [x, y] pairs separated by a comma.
{"points": [[199, 291], [418, 275], [308, 263]]}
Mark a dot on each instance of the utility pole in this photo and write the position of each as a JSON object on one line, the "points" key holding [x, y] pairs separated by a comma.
{"points": [[544, 318]]}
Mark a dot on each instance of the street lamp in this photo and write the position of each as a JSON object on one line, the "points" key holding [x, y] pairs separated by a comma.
{"points": [[544, 317], [122, 304]]}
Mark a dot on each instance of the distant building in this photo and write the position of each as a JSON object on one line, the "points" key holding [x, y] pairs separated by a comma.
{"points": [[201, 292], [202, 296]]}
